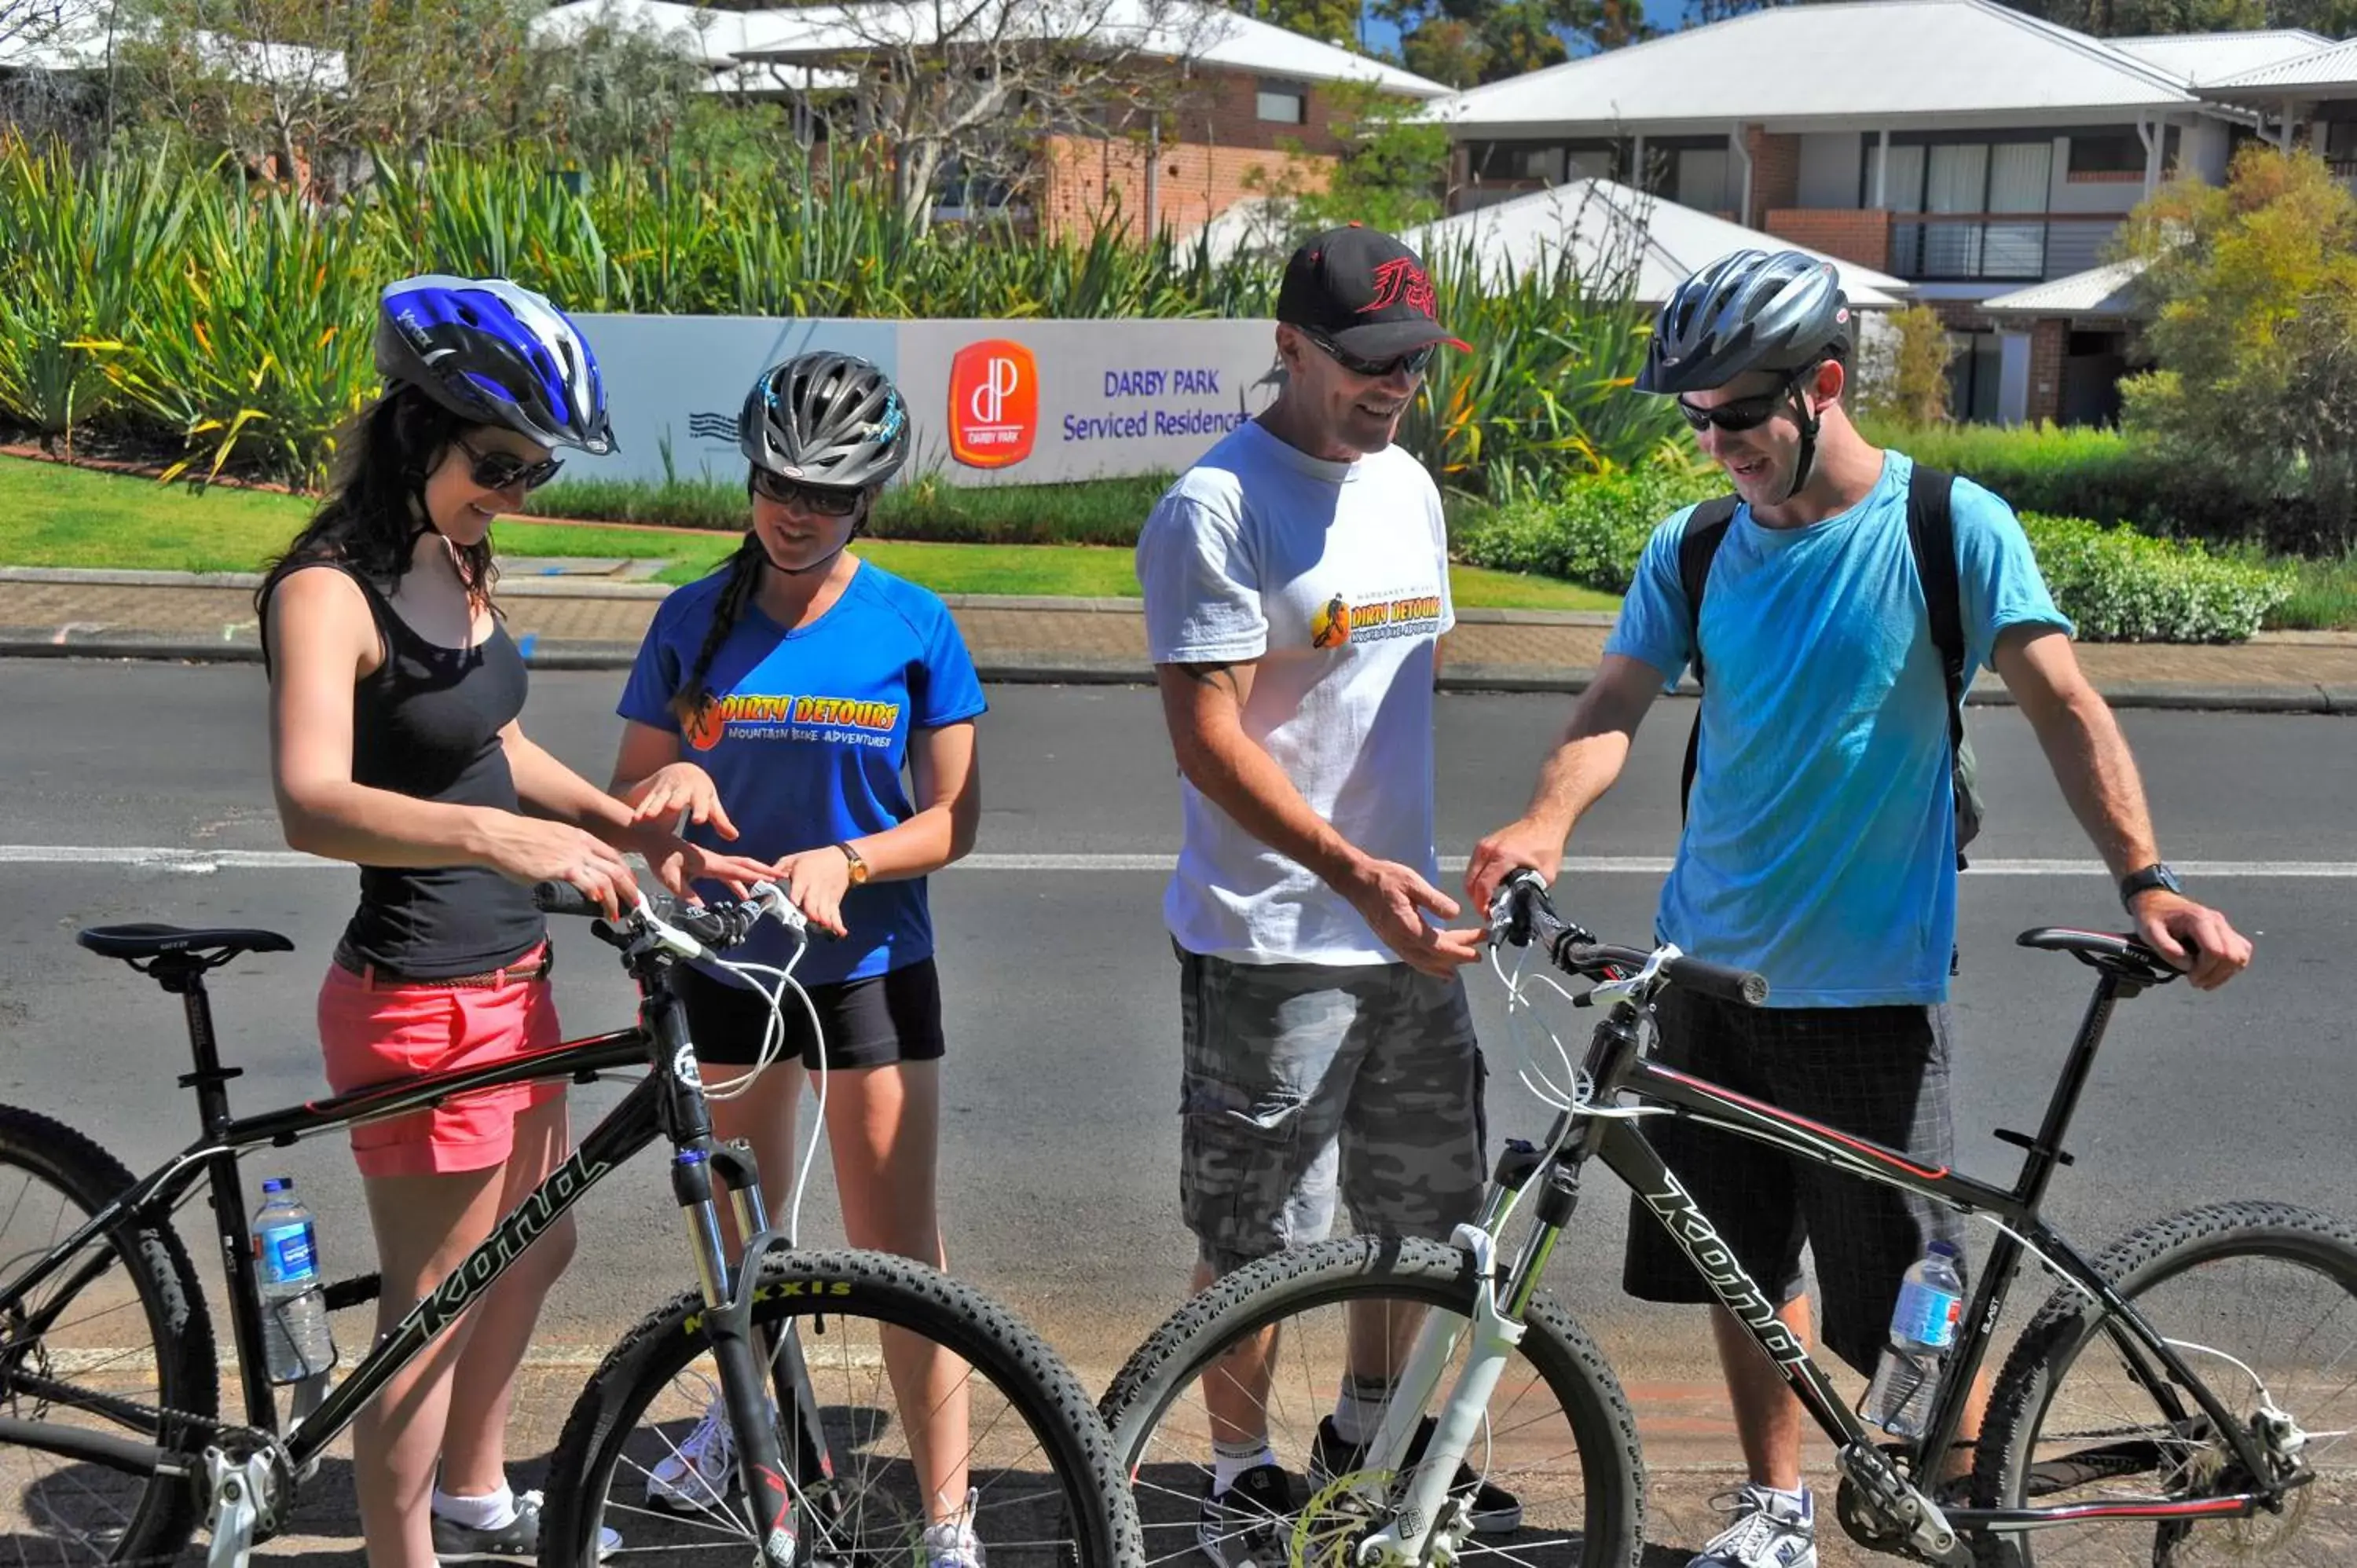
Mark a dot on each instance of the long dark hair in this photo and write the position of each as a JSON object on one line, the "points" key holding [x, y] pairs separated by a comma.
{"points": [[376, 499], [687, 705]]}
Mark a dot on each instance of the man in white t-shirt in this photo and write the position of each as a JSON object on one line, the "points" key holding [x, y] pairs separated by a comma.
{"points": [[1296, 588]]}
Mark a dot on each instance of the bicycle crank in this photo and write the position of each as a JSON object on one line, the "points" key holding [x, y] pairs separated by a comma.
{"points": [[1881, 1512]]}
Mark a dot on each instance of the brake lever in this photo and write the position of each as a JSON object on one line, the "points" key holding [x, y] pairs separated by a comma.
{"points": [[1631, 987]]}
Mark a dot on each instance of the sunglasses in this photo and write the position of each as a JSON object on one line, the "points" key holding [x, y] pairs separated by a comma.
{"points": [[1414, 361], [822, 500], [505, 470], [1743, 412]]}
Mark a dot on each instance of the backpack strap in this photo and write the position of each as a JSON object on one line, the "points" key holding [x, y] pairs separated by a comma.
{"points": [[1932, 534], [1705, 531]]}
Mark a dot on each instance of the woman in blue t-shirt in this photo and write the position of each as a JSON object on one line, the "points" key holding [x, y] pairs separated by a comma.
{"points": [[776, 704]]}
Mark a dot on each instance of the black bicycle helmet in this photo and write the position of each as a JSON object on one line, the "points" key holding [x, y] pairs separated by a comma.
{"points": [[494, 353], [1749, 311], [825, 419]]}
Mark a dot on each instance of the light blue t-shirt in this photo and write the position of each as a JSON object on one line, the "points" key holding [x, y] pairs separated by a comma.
{"points": [[807, 737], [1820, 846]]}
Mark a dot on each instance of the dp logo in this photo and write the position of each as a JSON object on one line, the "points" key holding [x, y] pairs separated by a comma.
{"points": [[994, 403]]}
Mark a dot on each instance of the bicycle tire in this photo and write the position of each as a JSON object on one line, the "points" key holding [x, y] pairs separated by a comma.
{"points": [[157, 1514], [1351, 1268], [2009, 1471], [818, 1292]]}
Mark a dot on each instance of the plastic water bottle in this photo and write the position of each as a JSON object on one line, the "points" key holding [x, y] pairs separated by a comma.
{"points": [[1922, 1327], [295, 1342]]}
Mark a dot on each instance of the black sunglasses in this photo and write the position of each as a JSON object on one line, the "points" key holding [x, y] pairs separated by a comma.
{"points": [[825, 500], [1414, 361], [505, 470], [1743, 412]]}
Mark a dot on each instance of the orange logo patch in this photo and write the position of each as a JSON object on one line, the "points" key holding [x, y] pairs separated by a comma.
{"points": [[994, 403], [1331, 626]]}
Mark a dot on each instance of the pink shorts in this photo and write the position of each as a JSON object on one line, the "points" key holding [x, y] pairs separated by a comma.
{"points": [[371, 1034]]}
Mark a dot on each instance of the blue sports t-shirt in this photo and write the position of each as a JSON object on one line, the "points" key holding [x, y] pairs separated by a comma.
{"points": [[1820, 846], [806, 738]]}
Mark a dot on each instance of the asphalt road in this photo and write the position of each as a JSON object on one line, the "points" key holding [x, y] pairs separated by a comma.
{"points": [[1060, 1180]]}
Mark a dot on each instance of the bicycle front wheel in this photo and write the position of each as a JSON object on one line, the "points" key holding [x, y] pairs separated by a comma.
{"points": [[987, 1409], [116, 1344], [2260, 1301], [1553, 1476]]}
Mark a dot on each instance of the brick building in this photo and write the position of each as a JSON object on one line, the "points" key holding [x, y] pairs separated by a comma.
{"points": [[1982, 156]]}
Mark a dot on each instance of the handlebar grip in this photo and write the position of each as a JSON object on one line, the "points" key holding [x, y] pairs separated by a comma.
{"points": [[564, 899], [1740, 985]]}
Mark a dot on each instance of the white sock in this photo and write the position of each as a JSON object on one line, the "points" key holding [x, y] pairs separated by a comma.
{"points": [[489, 1511], [1359, 1408], [1229, 1461], [1796, 1501]]}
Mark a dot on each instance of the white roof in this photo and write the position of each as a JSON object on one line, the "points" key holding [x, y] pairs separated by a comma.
{"points": [[1885, 61], [713, 37], [1178, 28], [2334, 66], [2198, 58], [2107, 290], [72, 35], [1605, 226]]}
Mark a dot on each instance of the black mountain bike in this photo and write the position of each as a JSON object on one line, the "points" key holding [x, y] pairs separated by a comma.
{"points": [[114, 1445], [2185, 1397]]}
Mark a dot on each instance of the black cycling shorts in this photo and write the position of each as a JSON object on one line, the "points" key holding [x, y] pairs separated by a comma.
{"points": [[1878, 1073], [894, 1016]]}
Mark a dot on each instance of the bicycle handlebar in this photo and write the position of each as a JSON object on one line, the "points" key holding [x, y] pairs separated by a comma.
{"points": [[693, 931], [1521, 913]]}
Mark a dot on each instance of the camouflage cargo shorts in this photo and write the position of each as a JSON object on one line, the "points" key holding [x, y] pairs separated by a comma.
{"points": [[1304, 1082]]}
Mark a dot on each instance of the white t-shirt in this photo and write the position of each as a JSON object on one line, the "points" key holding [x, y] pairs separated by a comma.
{"points": [[1333, 578]]}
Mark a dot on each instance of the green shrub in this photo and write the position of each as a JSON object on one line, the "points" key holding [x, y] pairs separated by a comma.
{"points": [[1591, 531], [2118, 585]]}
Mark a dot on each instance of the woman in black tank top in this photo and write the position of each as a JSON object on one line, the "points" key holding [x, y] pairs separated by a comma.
{"points": [[395, 745]]}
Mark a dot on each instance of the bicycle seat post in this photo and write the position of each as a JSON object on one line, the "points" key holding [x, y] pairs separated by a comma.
{"points": [[183, 975], [2045, 1152]]}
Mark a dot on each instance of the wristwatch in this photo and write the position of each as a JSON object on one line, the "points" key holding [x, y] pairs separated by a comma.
{"points": [[2157, 874], [859, 866]]}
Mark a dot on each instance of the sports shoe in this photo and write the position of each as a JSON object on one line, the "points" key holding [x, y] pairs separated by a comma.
{"points": [[1495, 1511], [517, 1539], [952, 1542], [1767, 1531], [700, 1475], [1250, 1525]]}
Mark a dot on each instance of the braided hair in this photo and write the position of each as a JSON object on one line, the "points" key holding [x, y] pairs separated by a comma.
{"points": [[689, 703]]}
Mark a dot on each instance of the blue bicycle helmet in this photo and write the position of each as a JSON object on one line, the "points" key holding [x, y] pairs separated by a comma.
{"points": [[496, 354]]}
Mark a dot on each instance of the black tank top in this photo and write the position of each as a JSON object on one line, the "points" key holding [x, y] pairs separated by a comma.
{"points": [[426, 724]]}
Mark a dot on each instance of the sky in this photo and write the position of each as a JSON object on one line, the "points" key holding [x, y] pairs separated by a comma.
{"points": [[1380, 35]]}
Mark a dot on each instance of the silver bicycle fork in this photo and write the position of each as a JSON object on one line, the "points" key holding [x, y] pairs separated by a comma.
{"points": [[1425, 1510]]}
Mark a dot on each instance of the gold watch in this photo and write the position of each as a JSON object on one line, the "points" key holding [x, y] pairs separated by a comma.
{"points": [[858, 866]]}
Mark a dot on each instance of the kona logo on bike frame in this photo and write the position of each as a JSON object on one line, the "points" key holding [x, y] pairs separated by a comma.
{"points": [[1715, 1261], [504, 1245]]}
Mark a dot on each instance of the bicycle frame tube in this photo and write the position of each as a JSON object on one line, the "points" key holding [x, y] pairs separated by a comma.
{"points": [[1628, 1156]]}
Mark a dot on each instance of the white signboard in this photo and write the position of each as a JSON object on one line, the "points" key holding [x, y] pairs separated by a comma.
{"points": [[990, 401]]}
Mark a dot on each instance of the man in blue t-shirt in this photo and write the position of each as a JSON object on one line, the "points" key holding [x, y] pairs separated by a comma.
{"points": [[1820, 846]]}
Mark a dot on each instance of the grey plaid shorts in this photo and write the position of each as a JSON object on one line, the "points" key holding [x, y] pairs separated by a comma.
{"points": [[1878, 1073], [1304, 1082]]}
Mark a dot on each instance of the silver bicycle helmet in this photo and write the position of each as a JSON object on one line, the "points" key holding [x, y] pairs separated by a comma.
{"points": [[1749, 311], [825, 419], [494, 353]]}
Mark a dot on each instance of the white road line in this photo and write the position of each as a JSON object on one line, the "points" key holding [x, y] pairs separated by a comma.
{"points": [[199, 862]]}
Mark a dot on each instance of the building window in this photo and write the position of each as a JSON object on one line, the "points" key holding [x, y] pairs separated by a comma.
{"points": [[1702, 181], [1973, 374], [1965, 191], [2340, 143], [1283, 103], [2107, 152]]}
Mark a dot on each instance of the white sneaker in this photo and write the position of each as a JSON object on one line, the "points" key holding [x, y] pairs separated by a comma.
{"points": [[952, 1542], [701, 1474], [1767, 1531]]}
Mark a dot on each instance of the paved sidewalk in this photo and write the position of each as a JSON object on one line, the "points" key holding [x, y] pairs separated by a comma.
{"points": [[571, 622]]}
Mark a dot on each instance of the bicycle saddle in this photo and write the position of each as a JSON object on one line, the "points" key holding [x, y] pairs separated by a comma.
{"points": [[149, 940], [2121, 956]]}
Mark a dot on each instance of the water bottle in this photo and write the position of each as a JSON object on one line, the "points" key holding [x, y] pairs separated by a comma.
{"points": [[297, 1345], [1922, 1327]]}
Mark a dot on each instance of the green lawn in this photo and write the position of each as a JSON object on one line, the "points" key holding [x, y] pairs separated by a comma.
{"points": [[51, 515]]}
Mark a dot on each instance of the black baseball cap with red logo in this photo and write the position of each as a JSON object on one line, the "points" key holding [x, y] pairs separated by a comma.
{"points": [[1363, 291]]}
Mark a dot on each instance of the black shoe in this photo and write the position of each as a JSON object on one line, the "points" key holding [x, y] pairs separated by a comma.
{"points": [[1495, 1510], [516, 1541], [1250, 1525]]}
